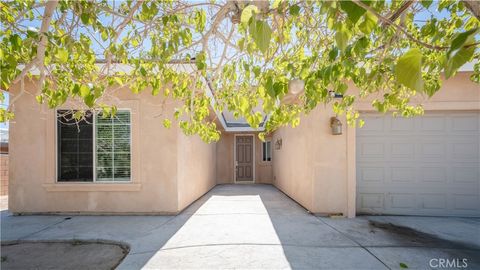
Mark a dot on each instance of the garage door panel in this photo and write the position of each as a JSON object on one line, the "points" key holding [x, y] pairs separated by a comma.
{"points": [[371, 201], [402, 124], [465, 202], [371, 174], [402, 174], [371, 149], [374, 125], [432, 123], [465, 123], [434, 174], [432, 150], [401, 200], [426, 165], [434, 201], [464, 151], [402, 150], [465, 174]]}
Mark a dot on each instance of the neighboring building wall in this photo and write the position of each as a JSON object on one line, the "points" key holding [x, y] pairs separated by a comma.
{"points": [[155, 163], [3, 174], [196, 168], [225, 160], [317, 169]]}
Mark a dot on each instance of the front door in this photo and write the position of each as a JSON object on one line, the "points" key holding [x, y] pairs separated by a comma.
{"points": [[244, 159]]}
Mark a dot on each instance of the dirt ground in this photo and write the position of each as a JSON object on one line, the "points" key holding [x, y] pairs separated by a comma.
{"points": [[61, 255]]}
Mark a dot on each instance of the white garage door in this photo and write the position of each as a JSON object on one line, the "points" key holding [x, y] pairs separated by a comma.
{"points": [[425, 165]]}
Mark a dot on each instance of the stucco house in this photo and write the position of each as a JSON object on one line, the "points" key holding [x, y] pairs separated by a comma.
{"points": [[427, 165]]}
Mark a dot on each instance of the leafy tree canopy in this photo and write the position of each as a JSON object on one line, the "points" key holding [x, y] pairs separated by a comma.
{"points": [[248, 51]]}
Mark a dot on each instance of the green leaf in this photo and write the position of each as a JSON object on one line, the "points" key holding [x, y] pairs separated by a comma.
{"points": [[247, 13], [118, 80], [62, 55], [84, 91], [403, 266], [458, 59], [200, 20], [143, 71], [244, 105], [16, 41], [78, 115], [408, 70], [167, 123], [368, 24], [294, 10], [200, 61], [354, 12], [254, 120], [269, 87], [276, 4], [341, 38], [426, 3], [261, 33], [85, 17], [89, 100], [39, 99], [332, 55], [460, 40], [104, 35]]}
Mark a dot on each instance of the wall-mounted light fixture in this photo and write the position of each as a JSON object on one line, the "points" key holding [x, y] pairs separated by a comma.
{"points": [[336, 126], [332, 94], [296, 86], [278, 144]]}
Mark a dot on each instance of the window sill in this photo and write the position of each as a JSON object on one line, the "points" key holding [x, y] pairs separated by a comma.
{"points": [[92, 187]]}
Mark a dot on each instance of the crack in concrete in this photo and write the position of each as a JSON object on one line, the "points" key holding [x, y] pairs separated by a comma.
{"points": [[45, 228]]}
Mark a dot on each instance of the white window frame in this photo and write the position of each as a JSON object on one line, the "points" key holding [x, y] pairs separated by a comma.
{"points": [[264, 144], [94, 146]]}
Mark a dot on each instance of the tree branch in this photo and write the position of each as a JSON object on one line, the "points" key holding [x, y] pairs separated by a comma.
{"points": [[39, 58], [118, 32], [473, 7], [399, 12], [398, 27]]}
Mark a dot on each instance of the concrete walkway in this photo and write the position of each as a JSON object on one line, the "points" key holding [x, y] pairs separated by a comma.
{"points": [[257, 226]]}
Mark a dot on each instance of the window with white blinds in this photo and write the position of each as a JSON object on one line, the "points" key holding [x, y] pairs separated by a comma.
{"points": [[107, 159], [113, 147]]}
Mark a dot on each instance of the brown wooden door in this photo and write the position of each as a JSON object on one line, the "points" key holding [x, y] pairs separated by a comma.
{"points": [[244, 158]]}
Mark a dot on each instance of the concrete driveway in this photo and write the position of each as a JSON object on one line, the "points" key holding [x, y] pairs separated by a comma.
{"points": [[257, 226]]}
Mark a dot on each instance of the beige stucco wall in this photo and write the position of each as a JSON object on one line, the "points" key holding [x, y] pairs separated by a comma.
{"points": [[196, 168], [225, 160], [157, 163], [170, 170], [317, 169]]}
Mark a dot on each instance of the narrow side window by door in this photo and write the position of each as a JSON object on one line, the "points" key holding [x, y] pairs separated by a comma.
{"points": [[266, 151]]}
